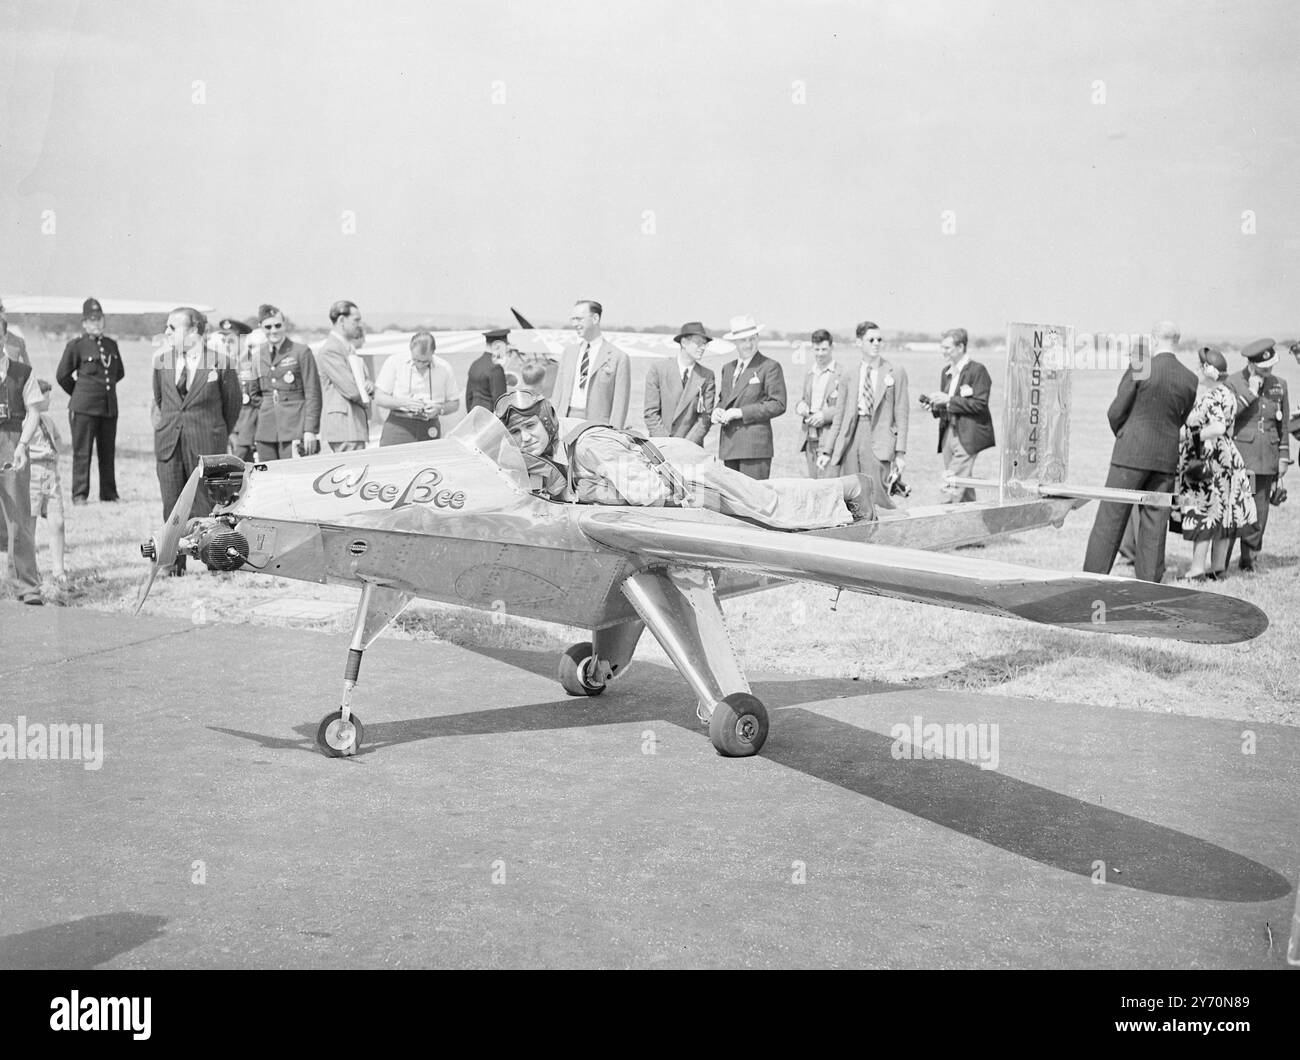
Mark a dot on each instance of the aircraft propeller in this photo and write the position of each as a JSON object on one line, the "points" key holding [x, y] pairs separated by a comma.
{"points": [[161, 547]]}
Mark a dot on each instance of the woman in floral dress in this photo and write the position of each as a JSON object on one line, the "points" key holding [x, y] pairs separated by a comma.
{"points": [[1214, 492]]}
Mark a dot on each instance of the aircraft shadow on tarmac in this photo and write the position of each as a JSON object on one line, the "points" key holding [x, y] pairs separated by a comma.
{"points": [[84, 943], [1022, 818]]}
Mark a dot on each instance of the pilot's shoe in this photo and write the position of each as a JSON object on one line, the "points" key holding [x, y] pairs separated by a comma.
{"points": [[857, 497]]}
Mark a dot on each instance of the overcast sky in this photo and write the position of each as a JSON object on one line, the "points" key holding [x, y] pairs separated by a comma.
{"points": [[658, 156]]}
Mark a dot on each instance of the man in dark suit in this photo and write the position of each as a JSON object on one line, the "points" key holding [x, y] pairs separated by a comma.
{"points": [[752, 395], [288, 387], [1260, 432], [594, 381], [485, 382], [195, 406], [90, 369], [680, 394], [1154, 397], [961, 405]]}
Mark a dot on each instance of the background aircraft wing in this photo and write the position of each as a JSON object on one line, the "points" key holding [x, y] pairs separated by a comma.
{"points": [[1097, 603]]}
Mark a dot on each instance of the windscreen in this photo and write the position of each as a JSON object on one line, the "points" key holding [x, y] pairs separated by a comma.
{"points": [[482, 432]]}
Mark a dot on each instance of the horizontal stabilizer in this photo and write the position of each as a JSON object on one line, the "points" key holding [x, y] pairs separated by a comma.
{"points": [[1093, 602]]}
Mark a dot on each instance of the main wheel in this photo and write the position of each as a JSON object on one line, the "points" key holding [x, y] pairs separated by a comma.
{"points": [[338, 738], [577, 667], [738, 727]]}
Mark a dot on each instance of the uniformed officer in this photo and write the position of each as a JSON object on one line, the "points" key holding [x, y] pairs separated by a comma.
{"points": [[232, 341], [1260, 431], [287, 390], [90, 371]]}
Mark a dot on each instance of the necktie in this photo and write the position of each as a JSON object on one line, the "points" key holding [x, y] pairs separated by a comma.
{"points": [[740, 368], [868, 393], [686, 375], [184, 385], [586, 365]]}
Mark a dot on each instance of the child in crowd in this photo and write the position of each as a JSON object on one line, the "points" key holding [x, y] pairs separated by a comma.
{"points": [[47, 491]]}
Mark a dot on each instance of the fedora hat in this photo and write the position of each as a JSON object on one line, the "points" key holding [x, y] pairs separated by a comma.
{"points": [[742, 328], [694, 327]]}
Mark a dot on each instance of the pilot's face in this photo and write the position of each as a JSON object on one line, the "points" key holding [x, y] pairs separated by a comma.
{"points": [[529, 435]]}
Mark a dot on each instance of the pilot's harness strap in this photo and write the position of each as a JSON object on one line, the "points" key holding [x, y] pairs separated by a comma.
{"points": [[679, 491]]}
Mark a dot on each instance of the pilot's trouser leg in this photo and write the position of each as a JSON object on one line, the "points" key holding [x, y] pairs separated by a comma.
{"points": [[681, 609], [340, 732]]}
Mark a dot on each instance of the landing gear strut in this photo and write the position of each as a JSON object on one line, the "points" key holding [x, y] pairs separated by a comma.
{"points": [[340, 732]]}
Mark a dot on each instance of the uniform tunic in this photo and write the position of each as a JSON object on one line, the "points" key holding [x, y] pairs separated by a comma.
{"points": [[89, 371], [288, 393]]}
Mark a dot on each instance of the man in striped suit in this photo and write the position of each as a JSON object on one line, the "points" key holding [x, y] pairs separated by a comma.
{"points": [[196, 400]]}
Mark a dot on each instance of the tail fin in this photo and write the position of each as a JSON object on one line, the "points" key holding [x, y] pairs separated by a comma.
{"points": [[519, 317], [1036, 418]]}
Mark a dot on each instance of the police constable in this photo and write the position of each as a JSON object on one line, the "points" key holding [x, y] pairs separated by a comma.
{"points": [[90, 371], [20, 400], [232, 343], [1260, 431], [485, 382], [287, 391]]}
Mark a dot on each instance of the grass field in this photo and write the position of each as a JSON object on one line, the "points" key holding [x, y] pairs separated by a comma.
{"points": [[789, 629]]}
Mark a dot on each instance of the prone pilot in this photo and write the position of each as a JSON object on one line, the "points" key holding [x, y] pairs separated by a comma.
{"points": [[606, 465]]}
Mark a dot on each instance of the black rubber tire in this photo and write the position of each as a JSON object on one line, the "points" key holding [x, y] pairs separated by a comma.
{"points": [[572, 664], [328, 742], [738, 727]]}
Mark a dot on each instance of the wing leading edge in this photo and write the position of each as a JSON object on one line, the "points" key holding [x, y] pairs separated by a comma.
{"points": [[1096, 603]]}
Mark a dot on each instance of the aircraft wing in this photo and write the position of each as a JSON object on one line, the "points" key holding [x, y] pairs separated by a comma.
{"points": [[65, 305], [1092, 602]]}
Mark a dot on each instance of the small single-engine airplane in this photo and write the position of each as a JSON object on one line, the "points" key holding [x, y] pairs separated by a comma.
{"points": [[453, 520]]}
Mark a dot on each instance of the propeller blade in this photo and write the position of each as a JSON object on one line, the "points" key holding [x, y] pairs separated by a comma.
{"points": [[169, 535]]}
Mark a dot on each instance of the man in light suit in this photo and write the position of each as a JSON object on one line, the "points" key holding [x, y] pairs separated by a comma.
{"points": [[870, 434], [346, 386], [680, 394], [821, 392], [961, 406], [752, 395], [1154, 397], [594, 382], [196, 400]]}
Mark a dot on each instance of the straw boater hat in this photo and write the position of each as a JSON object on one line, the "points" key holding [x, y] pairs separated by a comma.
{"points": [[742, 328]]}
